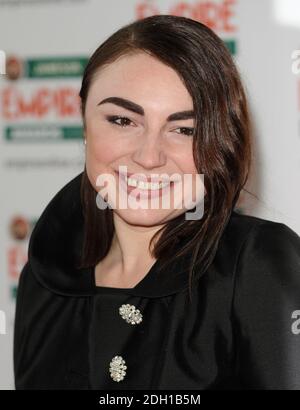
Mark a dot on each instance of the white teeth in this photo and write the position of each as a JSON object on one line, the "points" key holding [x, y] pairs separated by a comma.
{"points": [[145, 185]]}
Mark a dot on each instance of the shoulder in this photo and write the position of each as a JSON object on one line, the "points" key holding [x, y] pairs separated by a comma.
{"points": [[267, 275], [262, 238], [56, 242], [243, 225], [268, 258], [266, 244], [249, 241], [258, 255], [265, 298], [62, 202]]}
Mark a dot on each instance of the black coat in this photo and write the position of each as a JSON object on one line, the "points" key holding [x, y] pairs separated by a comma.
{"points": [[240, 331]]}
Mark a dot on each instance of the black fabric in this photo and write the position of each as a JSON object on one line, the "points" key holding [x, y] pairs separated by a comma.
{"points": [[236, 333]]}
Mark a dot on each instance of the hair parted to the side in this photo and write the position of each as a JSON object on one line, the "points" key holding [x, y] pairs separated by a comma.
{"points": [[221, 144]]}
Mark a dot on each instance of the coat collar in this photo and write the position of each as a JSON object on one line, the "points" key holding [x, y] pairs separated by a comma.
{"points": [[55, 244]]}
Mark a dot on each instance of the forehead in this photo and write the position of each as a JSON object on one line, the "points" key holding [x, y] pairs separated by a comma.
{"points": [[140, 77]]}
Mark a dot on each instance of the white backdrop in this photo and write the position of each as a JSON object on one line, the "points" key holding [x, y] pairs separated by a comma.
{"points": [[46, 43]]}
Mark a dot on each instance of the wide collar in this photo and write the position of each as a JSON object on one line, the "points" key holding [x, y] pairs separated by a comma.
{"points": [[55, 244]]}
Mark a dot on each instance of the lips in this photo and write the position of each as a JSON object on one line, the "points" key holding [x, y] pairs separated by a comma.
{"points": [[142, 192], [139, 176]]}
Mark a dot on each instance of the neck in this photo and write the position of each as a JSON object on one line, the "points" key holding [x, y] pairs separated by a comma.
{"points": [[130, 246]]}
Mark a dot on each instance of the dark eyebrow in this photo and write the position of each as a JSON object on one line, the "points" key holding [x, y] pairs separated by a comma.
{"points": [[131, 106]]}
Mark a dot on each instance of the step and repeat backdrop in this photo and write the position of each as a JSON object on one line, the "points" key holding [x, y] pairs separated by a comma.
{"points": [[44, 46]]}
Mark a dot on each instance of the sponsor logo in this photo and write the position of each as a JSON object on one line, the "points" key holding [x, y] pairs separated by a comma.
{"points": [[218, 15], [14, 68], [47, 67], [19, 229], [37, 104], [56, 67]]}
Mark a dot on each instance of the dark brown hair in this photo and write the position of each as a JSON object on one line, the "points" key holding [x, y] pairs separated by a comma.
{"points": [[221, 144]]}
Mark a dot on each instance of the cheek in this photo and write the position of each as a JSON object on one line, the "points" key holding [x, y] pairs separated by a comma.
{"points": [[185, 161], [102, 145], [102, 152], [194, 183]]}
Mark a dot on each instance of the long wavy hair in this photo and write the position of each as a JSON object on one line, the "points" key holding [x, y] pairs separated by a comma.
{"points": [[221, 142]]}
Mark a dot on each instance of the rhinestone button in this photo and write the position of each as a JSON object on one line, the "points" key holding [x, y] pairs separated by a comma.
{"points": [[129, 313], [117, 368]]}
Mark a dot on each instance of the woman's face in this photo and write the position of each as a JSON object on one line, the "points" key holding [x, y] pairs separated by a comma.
{"points": [[128, 123]]}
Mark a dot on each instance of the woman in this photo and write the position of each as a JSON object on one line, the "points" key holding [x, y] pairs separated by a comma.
{"points": [[150, 298]]}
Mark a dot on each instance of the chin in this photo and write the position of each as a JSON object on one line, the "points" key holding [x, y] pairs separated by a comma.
{"points": [[144, 217]]}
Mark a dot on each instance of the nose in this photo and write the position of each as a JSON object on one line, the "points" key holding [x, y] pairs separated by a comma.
{"points": [[150, 152]]}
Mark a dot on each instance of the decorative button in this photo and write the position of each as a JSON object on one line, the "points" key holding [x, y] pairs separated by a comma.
{"points": [[130, 314], [117, 368]]}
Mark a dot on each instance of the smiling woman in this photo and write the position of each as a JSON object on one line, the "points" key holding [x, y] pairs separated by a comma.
{"points": [[141, 109], [148, 297]]}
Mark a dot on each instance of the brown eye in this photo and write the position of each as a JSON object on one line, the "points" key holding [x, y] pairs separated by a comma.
{"points": [[186, 131], [120, 121]]}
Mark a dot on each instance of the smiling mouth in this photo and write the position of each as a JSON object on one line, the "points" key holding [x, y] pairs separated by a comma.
{"points": [[143, 184], [152, 186]]}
